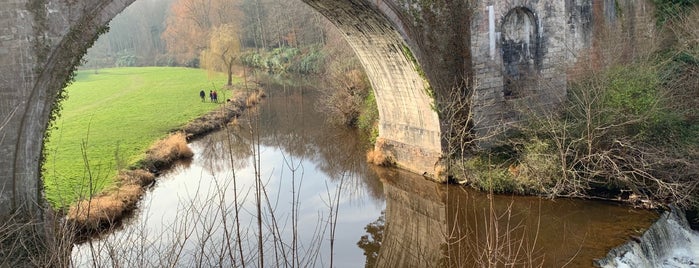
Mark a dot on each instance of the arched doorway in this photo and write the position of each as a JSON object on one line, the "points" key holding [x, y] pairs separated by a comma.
{"points": [[520, 48]]}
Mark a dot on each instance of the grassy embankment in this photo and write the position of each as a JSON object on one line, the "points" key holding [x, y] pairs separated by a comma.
{"points": [[111, 118]]}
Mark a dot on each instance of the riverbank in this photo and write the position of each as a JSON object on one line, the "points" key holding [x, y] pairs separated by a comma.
{"points": [[107, 209], [109, 120]]}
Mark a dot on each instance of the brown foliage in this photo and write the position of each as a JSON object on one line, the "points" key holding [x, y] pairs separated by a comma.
{"points": [[379, 157], [105, 209], [137, 177], [165, 152], [349, 84], [255, 98], [190, 22]]}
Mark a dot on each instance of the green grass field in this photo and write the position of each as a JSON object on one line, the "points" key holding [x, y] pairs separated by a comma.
{"points": [[111, 118]]}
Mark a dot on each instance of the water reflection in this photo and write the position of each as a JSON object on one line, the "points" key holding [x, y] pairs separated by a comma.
{"points": [[301, 130], [435, 225], [188, 218]]}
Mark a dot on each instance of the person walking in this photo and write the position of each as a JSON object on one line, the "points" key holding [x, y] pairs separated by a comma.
{"points": [[211, 96], [202, 95], [215, 96]]}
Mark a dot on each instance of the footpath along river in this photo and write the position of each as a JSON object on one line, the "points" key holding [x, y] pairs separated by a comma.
{"points": [[318, 188]]}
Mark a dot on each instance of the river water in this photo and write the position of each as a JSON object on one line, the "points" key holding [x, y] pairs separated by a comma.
{"points": [[317, 195]]}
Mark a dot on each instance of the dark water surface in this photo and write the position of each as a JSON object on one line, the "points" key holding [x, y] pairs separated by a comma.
{"points": [[308, 166]]}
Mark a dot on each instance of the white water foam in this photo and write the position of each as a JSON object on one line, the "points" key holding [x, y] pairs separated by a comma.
{"points": [[669, 242]]}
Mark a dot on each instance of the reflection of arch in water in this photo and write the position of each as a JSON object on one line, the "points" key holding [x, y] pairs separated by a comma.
{"points": [[435, 225], [415, 217], [521, 52]]}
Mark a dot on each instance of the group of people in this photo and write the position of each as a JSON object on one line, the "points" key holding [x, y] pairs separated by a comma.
{"points": [[213, 96]]}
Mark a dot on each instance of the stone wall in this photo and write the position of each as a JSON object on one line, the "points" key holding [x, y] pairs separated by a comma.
{"points": [[16, 79], [520, 52], [523, 50], [41, 41]]}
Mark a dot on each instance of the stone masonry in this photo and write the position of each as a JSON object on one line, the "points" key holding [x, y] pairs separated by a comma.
{"points": [[41, 41], [522, 50]]}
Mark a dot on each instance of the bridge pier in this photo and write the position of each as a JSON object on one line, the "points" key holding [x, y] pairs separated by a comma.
{"points": [[41, 42], [408, 126]]}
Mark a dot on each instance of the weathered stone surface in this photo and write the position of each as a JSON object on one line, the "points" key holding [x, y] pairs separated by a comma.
{"points": [[380, 36], [521, 50], [41, 44]]}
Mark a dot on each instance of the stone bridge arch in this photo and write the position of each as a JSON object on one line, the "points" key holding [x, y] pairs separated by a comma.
{"points": [[409, 128], [467, 47], [45, 40]]}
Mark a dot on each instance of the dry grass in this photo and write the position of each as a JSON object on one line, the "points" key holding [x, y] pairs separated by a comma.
{"points": [[441, 172], [165, 152], [103, 210], [255, 98], [380, 157], [138, 176], [234, 122], [172, 147]]}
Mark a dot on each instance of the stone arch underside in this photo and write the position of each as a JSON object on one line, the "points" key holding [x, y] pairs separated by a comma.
{"points": [[409, 125], [48, 38], [38, 52]]}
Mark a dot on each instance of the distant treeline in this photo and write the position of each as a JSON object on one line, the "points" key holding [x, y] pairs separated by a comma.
{"points": [[175, 32]]}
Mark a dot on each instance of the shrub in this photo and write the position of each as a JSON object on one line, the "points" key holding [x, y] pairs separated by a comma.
{"points": [[539, 169], [379, 156], [369, 117], [489, 176], [666, 10], [103, 210], [309, 61], [618, 135]]}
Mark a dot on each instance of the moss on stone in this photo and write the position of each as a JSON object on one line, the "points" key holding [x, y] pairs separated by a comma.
{"points": [[429, 91]]}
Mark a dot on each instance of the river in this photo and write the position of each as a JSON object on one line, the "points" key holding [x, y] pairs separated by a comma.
{"points": [[316, 187]]}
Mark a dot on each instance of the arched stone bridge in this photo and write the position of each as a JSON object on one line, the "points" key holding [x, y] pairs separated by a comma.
{"points": [[419, 55]]}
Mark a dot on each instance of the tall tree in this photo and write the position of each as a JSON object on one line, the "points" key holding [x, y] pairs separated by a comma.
{"points": [[222, 51], [190, 22], [276, 23]]}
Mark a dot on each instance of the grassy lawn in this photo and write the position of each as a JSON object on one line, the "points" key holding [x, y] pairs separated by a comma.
{"points": [[111, 118]]}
